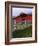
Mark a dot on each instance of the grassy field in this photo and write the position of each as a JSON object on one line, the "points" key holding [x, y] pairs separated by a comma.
{"points": [[27, 32], [22, 26]]}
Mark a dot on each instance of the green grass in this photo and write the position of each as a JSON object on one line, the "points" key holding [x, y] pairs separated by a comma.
{"points": [[22, 33], [22, 26]]}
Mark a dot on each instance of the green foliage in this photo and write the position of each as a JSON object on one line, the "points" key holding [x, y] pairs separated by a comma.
{"points": [[22, 33]]}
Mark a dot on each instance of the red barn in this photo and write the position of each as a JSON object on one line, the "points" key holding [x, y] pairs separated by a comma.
{"points": [[23, 17]]}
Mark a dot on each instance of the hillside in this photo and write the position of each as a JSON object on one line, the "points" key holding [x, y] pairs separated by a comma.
{"points": [[22, 33]]}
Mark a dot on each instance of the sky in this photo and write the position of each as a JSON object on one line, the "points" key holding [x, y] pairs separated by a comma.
{"points": [[17, 11]]}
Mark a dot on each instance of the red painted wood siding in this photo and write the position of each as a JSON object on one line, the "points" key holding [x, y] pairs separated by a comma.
{"points": [[19, 19]]}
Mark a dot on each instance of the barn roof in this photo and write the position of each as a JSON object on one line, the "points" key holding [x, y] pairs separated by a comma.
{"points": [[22, 15]]}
